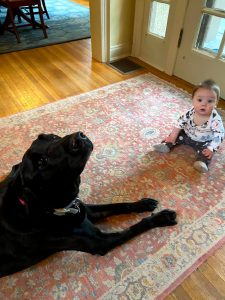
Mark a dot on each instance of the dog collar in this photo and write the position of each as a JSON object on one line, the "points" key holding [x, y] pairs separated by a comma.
{"points": [[72, 208]]}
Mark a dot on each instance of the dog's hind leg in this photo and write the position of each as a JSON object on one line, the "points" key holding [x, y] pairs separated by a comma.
{"points": [[97, 212]]}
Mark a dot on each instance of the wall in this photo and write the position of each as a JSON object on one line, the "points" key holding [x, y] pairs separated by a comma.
{"points": [[121, 27], [112, 23]]}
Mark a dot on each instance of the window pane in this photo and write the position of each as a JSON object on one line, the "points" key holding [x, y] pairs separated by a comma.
{"points": [[218, 4], [158, 19], [210, 33]]}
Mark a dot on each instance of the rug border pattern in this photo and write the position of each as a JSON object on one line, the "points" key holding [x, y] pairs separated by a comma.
{"points": [[155, 266]]}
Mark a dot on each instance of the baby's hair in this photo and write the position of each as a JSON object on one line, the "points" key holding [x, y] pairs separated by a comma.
{"points": [[208, 84]]}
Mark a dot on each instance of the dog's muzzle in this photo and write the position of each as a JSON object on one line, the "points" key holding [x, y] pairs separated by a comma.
{"points": [[79, 141]]}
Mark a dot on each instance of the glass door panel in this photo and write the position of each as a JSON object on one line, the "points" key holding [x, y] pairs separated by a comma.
{"points": [[155, 29], [158, 20]]}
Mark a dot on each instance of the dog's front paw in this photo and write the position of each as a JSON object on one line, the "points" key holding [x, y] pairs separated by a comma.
{"points": [[165, 217], [146, 204]]}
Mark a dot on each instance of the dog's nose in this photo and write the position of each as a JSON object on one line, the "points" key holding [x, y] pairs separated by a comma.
{"points": [[81, 136], [80, 139]]}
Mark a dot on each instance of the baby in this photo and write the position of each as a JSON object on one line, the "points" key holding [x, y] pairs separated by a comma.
{"points": [[201, 127]]}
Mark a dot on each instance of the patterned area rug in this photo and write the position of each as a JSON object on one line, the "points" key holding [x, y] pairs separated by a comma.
{"points": [[124, 120], [68, 22]]}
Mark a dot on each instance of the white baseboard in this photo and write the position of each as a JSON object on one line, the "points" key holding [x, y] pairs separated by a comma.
{"points": [[120, 51]]}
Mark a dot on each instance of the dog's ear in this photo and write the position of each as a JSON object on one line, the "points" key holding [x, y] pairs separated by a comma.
{"points": [[26, 169], [47, 137], [15, 171], [9, 180], [13, 175]]}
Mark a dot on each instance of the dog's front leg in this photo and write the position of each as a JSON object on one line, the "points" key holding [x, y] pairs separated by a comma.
{"points": [[97, 212], [111, 240], [90, 239]]}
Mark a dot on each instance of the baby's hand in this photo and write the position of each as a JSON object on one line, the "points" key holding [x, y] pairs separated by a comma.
{"points": [[171, 138], [208, 153]]}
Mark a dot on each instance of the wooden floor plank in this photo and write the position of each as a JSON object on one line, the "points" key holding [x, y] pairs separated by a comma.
{"points": [[211, 274], [199, 287]]}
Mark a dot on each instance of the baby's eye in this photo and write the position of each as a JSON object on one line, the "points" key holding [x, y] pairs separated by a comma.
{"points": [[199, 100], [211, 101]]}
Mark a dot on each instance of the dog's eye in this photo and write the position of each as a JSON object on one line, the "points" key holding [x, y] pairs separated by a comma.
{"points": [[75, 145], [42, 162]]}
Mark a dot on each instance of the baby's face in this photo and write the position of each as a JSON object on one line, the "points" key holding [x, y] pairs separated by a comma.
{"points": [[204, 101]]}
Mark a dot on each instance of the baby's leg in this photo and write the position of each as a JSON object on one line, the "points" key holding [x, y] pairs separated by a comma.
{"points": [[202, 162], [166, 147]]}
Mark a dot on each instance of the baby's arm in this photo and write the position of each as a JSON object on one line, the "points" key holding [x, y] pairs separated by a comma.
{"points": [[171, 138], [179, 125], [217, 139]]}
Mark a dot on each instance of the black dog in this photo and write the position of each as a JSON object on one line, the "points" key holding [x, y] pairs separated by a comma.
{"points": [[40, 212]]}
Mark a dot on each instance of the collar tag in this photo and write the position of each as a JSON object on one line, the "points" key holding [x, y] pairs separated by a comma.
{"points": [[23, 202], [60, 211], [72, 208]]}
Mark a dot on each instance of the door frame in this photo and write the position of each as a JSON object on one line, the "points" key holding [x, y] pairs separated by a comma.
{"points": [[100, 29], [173, 39]]}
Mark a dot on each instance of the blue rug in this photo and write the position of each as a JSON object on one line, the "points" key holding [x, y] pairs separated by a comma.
{"points": [[68, 22]]}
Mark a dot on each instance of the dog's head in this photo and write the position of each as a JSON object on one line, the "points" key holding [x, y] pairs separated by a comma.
{"points": [[50, 169]]}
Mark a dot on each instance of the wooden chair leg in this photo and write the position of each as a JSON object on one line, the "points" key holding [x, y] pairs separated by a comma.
{"points": [[45, 8], [31, 12], [42, 20], [13, 24], [19, 19]]}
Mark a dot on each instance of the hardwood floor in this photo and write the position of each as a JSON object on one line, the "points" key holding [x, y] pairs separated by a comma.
{"points": [[31, 78], [82, 2], [35, 77]]}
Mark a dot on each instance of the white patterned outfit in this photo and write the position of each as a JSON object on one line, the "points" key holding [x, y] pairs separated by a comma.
{"points": [[209, 135]]}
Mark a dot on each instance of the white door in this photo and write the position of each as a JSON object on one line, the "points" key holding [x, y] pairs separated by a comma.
{"points": [[202, 51], [156, 31]]}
